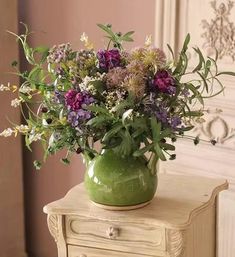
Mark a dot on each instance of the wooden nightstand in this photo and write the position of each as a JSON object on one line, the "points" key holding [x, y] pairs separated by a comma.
{"points": [[179, 222]]}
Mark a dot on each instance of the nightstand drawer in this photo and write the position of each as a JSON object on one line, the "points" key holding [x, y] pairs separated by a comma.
{"points": [[120, 236], [77, 251]]}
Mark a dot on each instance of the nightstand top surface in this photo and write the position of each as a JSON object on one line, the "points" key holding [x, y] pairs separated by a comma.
{"points": [[178, 199]]}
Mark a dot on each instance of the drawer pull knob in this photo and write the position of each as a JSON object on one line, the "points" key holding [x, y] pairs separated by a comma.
{"points": [[112, 232], [82, 255]]}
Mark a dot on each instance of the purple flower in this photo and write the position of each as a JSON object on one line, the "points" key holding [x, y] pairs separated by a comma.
{"points": [[164, 82], [60, 53], [162, 115], [109, 59], [175, 122], [78, 118], [75, 100]]}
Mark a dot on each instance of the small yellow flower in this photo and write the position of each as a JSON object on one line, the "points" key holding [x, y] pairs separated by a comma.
{"points": [[22, 129], [14, 88]]}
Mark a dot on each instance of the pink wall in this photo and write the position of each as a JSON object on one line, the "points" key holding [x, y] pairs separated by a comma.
{"points": [[11, 193], [57, 21]]}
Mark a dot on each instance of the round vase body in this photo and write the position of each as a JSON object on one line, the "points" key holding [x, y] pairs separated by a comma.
{"points": [[115, 181]]}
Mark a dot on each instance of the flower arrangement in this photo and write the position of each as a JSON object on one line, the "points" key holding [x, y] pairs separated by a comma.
{"points": [[132, 102]]}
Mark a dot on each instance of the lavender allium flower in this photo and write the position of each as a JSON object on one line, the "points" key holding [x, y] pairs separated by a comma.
{"points": [[109, 59], [115, 77], [164, 82], [160, 57]]}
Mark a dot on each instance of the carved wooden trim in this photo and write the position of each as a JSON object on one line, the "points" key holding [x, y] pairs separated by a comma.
{"points": [[57, 230], [220, 31], [53, 226], [207, 128], [176, 243]]}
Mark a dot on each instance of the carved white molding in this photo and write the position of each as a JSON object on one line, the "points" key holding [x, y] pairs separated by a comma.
{"points": [[53, 226], [176, 243], [219, 32], [57, 230], [217, 128]]}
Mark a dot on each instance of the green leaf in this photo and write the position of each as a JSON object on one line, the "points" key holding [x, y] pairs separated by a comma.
{"points": [[115, 129], [167, 147], [207, 68], [204, 81], [171, 51], [107, 29], [201, 59], [143, 150], [129, 102], [112, 143], [97, 109], [128, 34], [230, 73], [99, 85], [127, 37], [194, 113], [186, 42], [156, 129], [98, 120], [187, 128], [126, 145], [159, 152]]}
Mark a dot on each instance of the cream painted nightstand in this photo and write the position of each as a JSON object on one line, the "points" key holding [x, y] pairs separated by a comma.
{"points": [[179, 222]]}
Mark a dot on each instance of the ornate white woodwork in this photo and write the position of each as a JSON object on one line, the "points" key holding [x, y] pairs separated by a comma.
{"points": [[219, 31], [211, 24], [179, 222]]}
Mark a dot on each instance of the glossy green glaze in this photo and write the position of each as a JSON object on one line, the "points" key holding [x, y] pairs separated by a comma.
{"points": [[117, 181]]}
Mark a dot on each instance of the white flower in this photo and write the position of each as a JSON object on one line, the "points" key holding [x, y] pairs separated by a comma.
{"points": [[148, 41], [16, 102], [6, 133], [25, 89], [35, 137], [84, 37], [22, 129], [86, 84], [5, 88], [85, 40]]}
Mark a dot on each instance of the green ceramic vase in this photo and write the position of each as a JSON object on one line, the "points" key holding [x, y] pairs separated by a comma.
{"points": [[116, 181]]}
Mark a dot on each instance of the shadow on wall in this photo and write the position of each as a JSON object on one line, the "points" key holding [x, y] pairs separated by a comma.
{"points": [[56, 22]]}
